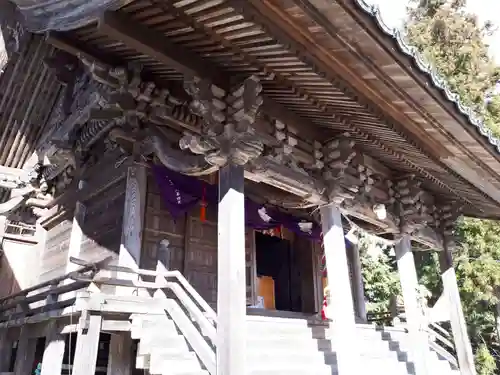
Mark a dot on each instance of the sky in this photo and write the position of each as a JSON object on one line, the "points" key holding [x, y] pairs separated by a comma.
{"points": [[393, 12]]}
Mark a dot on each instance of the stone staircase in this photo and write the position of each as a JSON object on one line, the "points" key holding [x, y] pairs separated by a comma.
{"points": [[275, 346]]}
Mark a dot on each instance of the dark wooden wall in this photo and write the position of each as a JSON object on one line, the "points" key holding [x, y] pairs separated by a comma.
{"points": [[192, 244], [103, 196], [53, 258], [160, 225]]}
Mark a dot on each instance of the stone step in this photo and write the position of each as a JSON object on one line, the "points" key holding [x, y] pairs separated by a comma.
{"points": [[147, 345], [140, 326], [187, 365], [304, 369], [273, 343], [160, 358]]}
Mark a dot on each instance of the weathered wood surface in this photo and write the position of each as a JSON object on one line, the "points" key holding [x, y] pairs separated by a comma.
{"points": [[54, 256], [231, 285], [340, 304], [87, 344], [458, 324], [304, 81], [120, 354], [28, 93], [53, 355], [413, 309], [104, 200], [25, 353], [160, 225], [133, 217]]}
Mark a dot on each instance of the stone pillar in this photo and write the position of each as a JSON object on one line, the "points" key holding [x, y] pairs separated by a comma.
{"points": [[341, 307], [413, 310], [231, 286], [458, 325]]}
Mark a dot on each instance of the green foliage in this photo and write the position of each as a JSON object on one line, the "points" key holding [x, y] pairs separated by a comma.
{"points": [[452, 40], [485, 363], [381, 280], [477, 265]]}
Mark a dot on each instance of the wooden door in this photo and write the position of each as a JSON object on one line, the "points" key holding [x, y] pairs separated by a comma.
{"points": [[251, 267], [201, 256]]}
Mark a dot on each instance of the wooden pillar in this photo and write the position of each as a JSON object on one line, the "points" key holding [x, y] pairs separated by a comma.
{"points": [[120, 354], [53, 354], [87, 344], [76, 238], [133, 217], [133, 221], [231, 285], [458, 325], [413, 310], [359, 290], [341, 307], [25, 352], [5, 350]]}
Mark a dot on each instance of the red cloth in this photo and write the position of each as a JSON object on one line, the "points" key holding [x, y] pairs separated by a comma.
{"points": [[323, 310]]}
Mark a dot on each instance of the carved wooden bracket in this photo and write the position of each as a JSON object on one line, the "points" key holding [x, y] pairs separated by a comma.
{"points": [[445, 218], [408, 204], [227, 134]]}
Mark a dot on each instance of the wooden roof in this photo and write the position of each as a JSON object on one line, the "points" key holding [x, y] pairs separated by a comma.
{"points": [[23, 117], [326, 66]]}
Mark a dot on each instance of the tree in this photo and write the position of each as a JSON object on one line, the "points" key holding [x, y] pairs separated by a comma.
{"points": [[380, 278], [453, 41]]}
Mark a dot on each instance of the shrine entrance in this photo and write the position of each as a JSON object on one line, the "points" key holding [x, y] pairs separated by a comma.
{"points": [[281, 270]]}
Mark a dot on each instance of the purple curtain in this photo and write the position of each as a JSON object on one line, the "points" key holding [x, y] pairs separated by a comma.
{"points": [[182, 193]]}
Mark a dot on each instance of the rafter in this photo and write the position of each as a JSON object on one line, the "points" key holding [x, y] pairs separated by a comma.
{"points": [[139, 37], [149, 42]]}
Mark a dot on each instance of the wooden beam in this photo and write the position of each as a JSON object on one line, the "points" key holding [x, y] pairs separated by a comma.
{"points": [[414, 316], [158, 46], [340, 305], [458, 325], [231, 284], [152, 43]]}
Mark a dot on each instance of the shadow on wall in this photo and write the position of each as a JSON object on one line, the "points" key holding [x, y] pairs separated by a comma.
{"points": [[8, 280]]}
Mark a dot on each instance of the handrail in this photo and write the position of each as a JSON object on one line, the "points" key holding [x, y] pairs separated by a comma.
{"points": [[204, 306], [440, 340], [87, 267], [17, 305], [202, 339]]}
